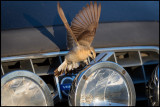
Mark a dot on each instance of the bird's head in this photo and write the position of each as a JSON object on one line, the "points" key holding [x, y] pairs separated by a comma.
{"points": [[92, 53]]}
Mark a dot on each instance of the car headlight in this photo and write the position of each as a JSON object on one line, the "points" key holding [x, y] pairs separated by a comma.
{"points": [[102, 84], [154, 87], [24, 88]]}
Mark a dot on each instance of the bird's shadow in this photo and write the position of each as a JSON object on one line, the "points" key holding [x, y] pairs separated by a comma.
{"points": [[60, 31], [55, 39], [58, 37]]}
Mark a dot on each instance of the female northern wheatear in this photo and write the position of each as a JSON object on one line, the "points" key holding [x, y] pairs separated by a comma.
{"points": [[79, 36]]}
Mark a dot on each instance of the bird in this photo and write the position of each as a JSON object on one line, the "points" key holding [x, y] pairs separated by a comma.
{"points": [[79, 37]]}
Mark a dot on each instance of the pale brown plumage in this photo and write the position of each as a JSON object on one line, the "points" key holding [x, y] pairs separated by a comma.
{"points": [[79, 36], [84, 25]]}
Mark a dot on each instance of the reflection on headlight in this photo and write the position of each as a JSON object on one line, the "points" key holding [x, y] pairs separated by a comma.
{"points": [[154, 87], [102, 84], [22, 91], [106, 87]]}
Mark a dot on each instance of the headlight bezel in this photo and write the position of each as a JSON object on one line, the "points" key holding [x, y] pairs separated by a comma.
{"points": [[153, 85], [33, 78], [79, 81]]}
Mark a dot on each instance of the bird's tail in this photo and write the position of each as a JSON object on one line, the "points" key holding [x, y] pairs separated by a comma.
{"points": [[61, 68]]}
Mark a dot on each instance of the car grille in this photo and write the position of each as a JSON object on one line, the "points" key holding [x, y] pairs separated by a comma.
{"points": [[139, 62]]}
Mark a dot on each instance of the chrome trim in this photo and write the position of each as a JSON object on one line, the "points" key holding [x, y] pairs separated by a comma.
{"points": [[60, 59], [57, 82], [98, 50], [62, 53], [102, 57], [107, 56], [115, 57], [99, 57], [58, 88], [2, 69], [143, 70], [139, 53], [32, 65], [54, 95], [129, 48], [154, 87]]}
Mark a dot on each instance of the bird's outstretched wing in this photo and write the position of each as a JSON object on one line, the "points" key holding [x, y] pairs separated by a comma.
{"points": [[61, 14], [84, 25]]}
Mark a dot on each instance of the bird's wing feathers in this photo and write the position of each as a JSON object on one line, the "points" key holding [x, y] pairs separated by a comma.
{"points": [[84, 25], [61, 14]]}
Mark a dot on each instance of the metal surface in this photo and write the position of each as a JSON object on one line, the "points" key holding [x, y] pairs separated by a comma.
{"points": [[116, 50], [142, 66], [58, 88], [102, 57], [120, 11], [57, 82], [53, 54], [24, 88], [2, 69], [65, 85], [32, 65], [154, 88], [104, 83]]}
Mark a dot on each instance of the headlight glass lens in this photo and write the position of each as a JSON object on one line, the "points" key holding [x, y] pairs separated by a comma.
{"points": [[154, 88], [22, 91], [105, 87]]}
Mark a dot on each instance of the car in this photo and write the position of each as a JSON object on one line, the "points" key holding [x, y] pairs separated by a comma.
{"points": [[33, 45]]}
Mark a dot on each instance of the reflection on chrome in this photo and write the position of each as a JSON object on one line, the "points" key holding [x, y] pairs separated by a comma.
{"points": [[104, 87], [154, 87]]}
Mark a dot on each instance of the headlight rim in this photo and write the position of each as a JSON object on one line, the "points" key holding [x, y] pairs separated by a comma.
{"points": [[154, 86], [30, 75], [80, 80]]}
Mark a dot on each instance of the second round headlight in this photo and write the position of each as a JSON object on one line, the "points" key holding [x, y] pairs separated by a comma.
{"points": [[102, 84]]}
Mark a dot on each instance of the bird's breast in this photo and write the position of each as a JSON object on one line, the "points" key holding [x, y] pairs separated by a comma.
{"points": [[77, 56]]}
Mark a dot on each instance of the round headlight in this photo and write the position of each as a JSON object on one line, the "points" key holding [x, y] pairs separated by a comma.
{"points": [[24, 88], [154, 88], [102, 84]]}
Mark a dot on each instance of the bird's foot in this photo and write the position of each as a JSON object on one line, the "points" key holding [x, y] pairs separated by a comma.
{"points": [[86, 62]]}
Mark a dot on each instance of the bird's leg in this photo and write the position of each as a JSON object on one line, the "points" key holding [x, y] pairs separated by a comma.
{"points": [[63, 66], [65, 70], [73, 65], [77, 65], [69, 67], [86, 61]]}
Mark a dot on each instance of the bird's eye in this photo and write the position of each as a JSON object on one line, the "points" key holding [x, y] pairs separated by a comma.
{"points": [[91, 53]]}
